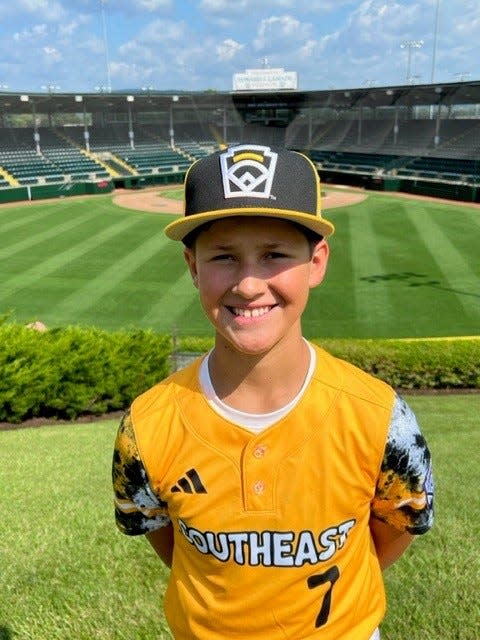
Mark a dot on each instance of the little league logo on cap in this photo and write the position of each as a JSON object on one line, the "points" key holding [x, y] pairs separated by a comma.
{"points": [[252, 180], [248, 171]]}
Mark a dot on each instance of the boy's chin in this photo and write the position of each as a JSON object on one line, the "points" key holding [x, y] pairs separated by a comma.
{"points": [[253, 347]]}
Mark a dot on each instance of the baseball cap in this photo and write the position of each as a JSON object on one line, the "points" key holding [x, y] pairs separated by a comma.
{"points": [[252, 180]]}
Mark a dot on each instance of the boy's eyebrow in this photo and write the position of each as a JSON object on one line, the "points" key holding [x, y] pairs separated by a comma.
{"points": [[225, 246]]}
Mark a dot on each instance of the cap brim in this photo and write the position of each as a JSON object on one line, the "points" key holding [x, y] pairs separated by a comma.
{"points": [[178, 229]]}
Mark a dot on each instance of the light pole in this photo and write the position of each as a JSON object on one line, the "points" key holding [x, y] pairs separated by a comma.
{"points": [[105, 43], [171, 130], [51, 87], [435, 37], [409, 45]]}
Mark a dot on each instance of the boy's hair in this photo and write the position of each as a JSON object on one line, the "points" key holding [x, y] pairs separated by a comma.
{"points": [[251, 180]]}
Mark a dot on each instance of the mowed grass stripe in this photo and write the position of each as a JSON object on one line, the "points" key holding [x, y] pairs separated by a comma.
{"points": [[48, 234], [12, 219], [88, 294], [173, 302], [50, 265], [334, 298], [370, 305], [408, 267], [459, 274]]}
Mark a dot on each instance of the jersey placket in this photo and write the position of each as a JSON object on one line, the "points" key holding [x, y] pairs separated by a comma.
{"points": [[258, 476]]}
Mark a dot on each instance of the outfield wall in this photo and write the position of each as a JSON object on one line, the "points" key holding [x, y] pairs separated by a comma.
{"points": [[59, 190], [66, 189], [436, 189], [439, 189]]}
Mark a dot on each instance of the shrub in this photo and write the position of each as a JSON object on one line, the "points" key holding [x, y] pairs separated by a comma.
{"points": [[68, 372], [64, 373], [415, 364]]}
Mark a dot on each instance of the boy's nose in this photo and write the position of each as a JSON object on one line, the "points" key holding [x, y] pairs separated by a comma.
{"points": [[248, 285]]}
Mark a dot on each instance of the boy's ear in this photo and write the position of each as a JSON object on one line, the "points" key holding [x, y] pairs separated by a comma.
{"points": [[318, 263], [189, 256]]}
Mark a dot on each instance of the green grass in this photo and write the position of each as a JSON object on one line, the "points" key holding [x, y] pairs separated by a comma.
{"points": [[67, 573], [398, 268]]}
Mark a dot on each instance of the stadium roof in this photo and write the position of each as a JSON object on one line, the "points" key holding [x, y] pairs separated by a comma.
{"points": [[144, 101]]}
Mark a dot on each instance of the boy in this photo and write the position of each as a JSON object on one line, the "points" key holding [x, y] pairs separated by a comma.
{"points": [[275, 480]]}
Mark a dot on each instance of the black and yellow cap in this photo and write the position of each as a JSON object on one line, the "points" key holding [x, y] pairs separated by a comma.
{"points": [[252, 180]]}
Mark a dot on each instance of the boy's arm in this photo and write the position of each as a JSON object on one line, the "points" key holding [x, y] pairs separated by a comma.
{"points": [[162, 541], [390, 543]]}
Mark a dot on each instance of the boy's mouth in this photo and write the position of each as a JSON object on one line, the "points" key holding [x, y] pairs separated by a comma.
{"points": [[256, 312]]}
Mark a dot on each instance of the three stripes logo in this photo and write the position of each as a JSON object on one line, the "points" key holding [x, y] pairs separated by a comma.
{"points": [[189, 483], [248, 171]]}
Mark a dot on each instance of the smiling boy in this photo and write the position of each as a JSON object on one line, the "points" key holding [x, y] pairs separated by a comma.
{"points": [[276, 480]]}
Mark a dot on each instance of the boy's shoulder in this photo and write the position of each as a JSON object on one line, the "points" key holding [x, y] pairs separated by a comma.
{"points": [[350, 380], [171, 388]]}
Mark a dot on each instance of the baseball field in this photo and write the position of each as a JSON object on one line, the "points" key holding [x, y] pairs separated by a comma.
{"points": [[399, 268]]}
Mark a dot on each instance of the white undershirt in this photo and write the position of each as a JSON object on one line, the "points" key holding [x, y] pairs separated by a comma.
{"points": [[255, 422]]}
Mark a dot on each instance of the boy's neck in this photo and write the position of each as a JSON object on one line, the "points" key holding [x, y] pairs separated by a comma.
{"points": [[262, 383]]}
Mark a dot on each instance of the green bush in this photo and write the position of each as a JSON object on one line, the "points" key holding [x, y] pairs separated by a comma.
{"points": [[73, 371], [441, 363], [415, 364], [68, 372]]}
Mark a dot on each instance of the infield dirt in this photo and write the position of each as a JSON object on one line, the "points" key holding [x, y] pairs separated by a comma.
{"points": [[153, 200]]}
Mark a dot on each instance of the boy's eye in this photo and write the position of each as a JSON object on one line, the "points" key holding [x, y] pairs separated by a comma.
{"points": [[222, 257], [276, 254]]}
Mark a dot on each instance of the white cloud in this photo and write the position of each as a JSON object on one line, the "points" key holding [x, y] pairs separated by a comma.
{"points": [[49, 9], [228, 49], [304, 6], [160, 31], [35, 32], [152, 5], [130, 74], [52, 54], [136, 52], [220, 6], [309, 49], [280, 29]]}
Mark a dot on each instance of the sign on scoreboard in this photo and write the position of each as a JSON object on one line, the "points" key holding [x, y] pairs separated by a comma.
{"points": [[265, 80]]}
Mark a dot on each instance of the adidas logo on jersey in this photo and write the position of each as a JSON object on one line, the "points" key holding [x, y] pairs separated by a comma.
{"points": [[189, 483]]}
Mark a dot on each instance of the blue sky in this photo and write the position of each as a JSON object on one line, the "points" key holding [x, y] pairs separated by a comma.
{"points": [[199, 44]]}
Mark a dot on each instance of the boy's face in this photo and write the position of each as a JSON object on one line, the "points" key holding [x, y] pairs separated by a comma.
{"points": [[254, 277]]}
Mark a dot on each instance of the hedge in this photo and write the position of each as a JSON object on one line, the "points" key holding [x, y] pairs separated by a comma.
{"points": [[73, 371], [428, 364], [65, 373], [424, 364]]}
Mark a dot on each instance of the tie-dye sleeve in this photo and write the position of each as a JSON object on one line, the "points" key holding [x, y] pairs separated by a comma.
{"points": [[138, 509], [404, 492]]}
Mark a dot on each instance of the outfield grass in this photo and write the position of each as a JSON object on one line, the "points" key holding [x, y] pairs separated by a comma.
{"points": [[399, 268], [67, 573]]}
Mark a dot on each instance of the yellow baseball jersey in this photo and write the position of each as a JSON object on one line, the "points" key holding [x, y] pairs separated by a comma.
{"points": [[271, 531]]}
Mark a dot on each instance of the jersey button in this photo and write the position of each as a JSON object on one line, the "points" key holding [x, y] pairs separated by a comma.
{"points": [[259, 487], [260, 451]]}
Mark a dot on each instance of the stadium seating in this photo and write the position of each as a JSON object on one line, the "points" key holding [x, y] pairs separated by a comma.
{"points": [[388, 145]]}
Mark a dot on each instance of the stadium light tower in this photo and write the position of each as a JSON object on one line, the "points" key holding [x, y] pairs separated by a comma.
{"points": [[409, 45], [435, 38], [105, 44]]}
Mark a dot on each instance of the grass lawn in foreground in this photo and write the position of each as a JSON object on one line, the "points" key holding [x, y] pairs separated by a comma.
{"points": [[67, 573], [398, 268]]}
